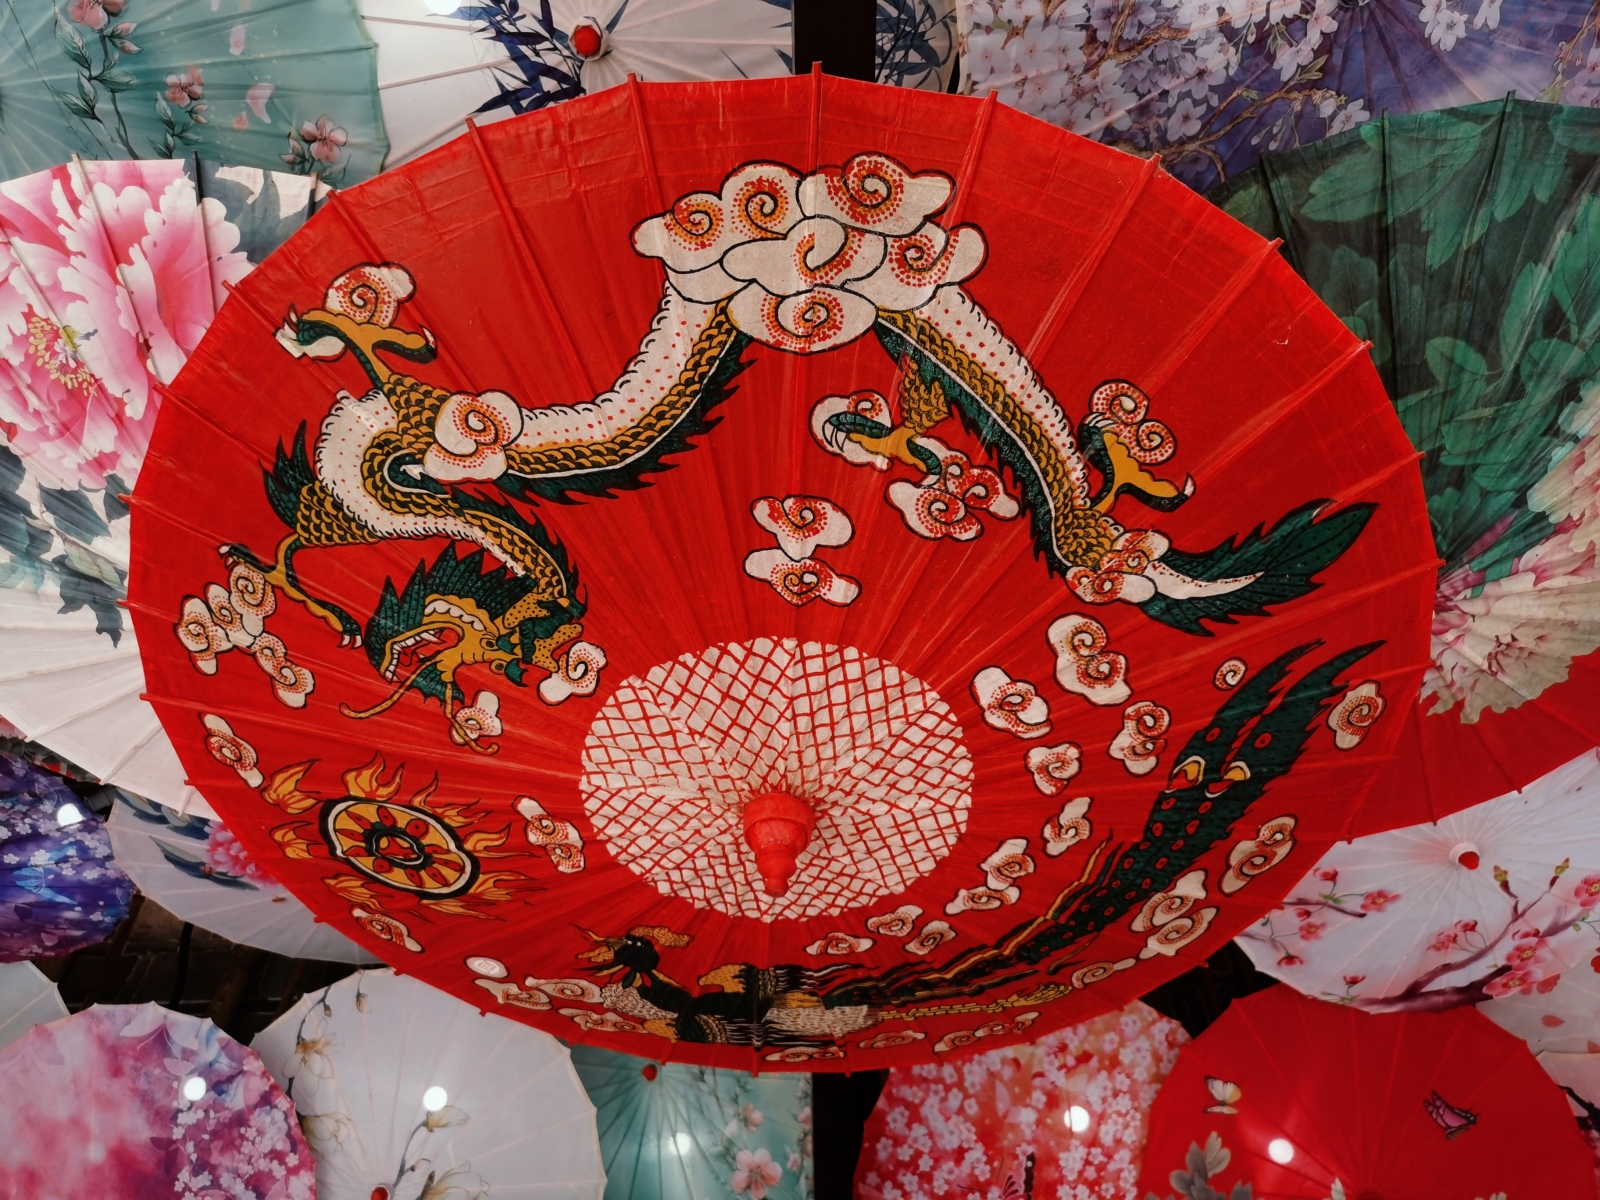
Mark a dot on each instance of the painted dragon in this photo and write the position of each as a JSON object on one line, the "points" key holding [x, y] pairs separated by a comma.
{"points": [[801, 263]]}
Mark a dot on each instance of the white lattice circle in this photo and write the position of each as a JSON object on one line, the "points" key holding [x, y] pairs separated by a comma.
{"points": [[671, 760]]}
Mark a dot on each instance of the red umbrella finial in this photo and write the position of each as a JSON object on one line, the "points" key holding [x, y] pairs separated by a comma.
{"points": [[777, 827]]}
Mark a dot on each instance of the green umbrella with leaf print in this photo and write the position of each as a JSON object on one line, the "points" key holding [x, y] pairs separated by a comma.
{"points": [[1465, 245]]}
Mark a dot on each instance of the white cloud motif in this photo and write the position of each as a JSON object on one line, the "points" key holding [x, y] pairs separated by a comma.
{"points": [[805, 264]]}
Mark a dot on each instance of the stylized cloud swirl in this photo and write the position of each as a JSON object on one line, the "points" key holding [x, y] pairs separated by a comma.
{"points": [[807, 262]]}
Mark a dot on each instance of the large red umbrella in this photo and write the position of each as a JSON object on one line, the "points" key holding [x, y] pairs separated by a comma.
{"points": [[1300, 1099], [787, 572]]}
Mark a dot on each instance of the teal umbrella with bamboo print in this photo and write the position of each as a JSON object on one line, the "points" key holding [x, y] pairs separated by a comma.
{"points": [[260, 83], [1465, 246]]}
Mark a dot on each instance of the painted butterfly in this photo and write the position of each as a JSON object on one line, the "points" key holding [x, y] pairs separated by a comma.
{"points": [[1019, 1184], [1448, 1117], [1225, 1094]]}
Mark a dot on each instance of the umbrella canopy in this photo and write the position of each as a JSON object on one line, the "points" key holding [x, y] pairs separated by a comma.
{"points": [[256, 82], [501, 57], [1561, 1013], [1077, 1101], [1491, 902], [1288, 1097], [1210, 86], [137, 1101], [59, 888], [1578, 1075], [27, 999], [917, 44], [109, 274], [676, 1132], [196, 870], [405, 1092], [1459, 244], [866, 725]]}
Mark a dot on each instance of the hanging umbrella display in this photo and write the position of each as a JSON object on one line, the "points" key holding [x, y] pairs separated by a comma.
{"points": [[1076, 1101], [497, 58], [677, 1132], [1211, 86], [860, 729], [136, 1100], [244, 81], [196, 870], [109, 274], [27, 999], [1492, 902], [1401, 227], [1288, 1097], [59, 888], [404, 1092]]}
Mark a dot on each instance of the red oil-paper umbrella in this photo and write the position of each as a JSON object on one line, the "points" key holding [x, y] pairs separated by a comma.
{"points": [[1290, 1098], [785, 573]]}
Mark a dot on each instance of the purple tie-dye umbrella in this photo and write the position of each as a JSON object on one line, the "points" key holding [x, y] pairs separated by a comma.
{"points": [[59, 889]]}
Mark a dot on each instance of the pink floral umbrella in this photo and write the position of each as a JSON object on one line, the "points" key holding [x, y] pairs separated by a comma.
{"points": [[110, 273], [136, 1102], [1077, 1101], [1493, 903]]}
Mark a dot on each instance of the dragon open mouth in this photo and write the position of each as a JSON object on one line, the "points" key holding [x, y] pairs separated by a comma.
{"points": [[406, 654]]}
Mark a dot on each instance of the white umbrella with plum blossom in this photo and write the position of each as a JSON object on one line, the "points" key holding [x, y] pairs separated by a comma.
{"points": [[1493, 902], [406, 1093]]}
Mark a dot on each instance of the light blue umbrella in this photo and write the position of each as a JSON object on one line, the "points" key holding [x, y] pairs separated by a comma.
{"points": [[264, 83], [679, 1132]]}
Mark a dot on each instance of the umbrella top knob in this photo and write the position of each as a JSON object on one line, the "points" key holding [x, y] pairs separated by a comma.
{"points": [[588, 39], [1465, 854], [778, 827]]}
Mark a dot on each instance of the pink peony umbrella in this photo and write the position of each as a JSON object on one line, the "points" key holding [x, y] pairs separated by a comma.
{"points": [[110, 273], [1076, 1101]]}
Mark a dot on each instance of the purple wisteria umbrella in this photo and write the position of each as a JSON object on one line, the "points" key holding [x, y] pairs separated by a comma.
{"points": [[59, 888], [1211, 84]]}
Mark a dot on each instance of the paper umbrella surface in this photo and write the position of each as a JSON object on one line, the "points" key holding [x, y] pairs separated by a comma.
{"points": [[1077, 1100], [27, 999], [498, 58], [196, 870], [1460, 244], [862, 697], [1209, 86], [405, 1093], [678, 1132], [59, 887], [141, 1102], [110, 272], [271, 84], [1493, 902], [1289, 1098]]}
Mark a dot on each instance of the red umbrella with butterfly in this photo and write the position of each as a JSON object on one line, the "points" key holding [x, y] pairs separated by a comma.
{"points": [[1302, 1099], [737, 573]]}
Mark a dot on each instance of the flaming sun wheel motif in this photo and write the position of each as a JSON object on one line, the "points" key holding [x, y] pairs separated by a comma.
{"points": [[672, 759]]}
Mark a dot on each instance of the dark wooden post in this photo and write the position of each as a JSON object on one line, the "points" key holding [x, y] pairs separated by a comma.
{"points": [[840, 34]]}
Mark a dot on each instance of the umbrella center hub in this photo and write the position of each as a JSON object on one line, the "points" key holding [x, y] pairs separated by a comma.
{"points": [[777, 827], [1465, 854], [589, 39], [777, 779]]}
